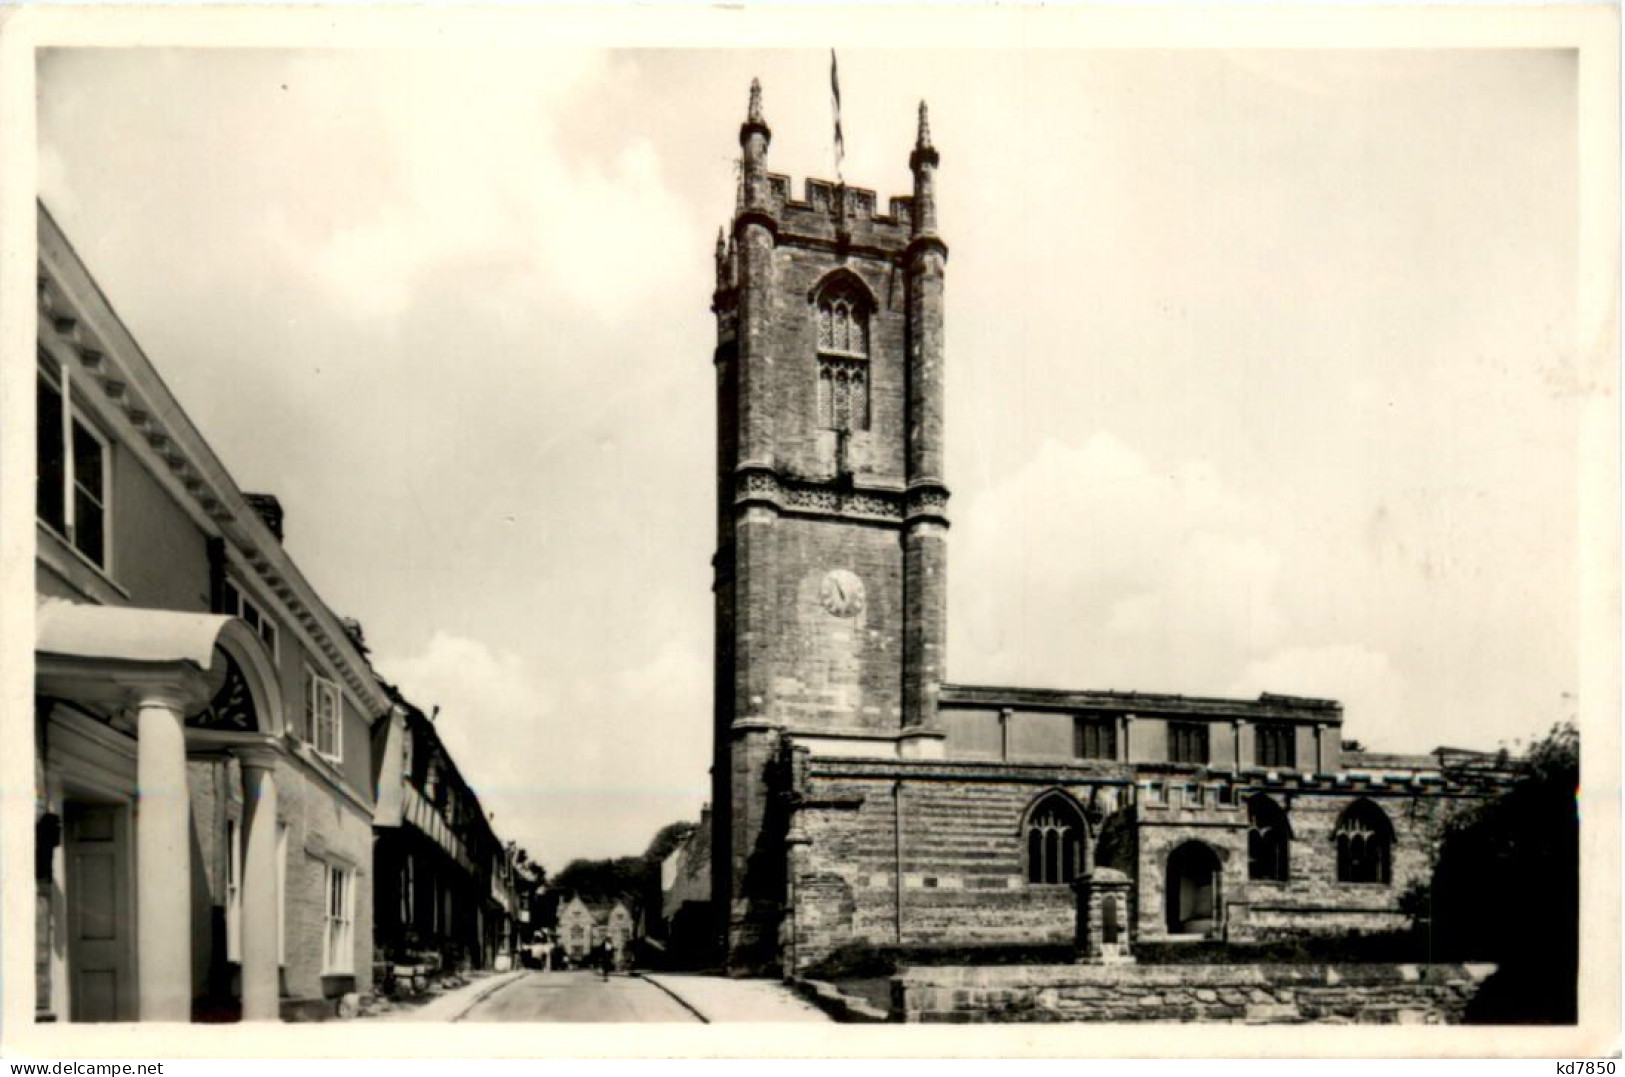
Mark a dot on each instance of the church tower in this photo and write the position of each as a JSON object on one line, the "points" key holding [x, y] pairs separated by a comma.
{"points": [[830, 568]]}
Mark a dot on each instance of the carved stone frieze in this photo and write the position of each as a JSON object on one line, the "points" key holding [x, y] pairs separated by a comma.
{"points": [[817, 498], [928, 501]]}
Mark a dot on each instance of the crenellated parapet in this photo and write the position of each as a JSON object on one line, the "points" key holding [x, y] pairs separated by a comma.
{"points": [[829, 217]]}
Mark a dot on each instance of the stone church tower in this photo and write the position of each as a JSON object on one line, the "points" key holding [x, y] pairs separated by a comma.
{"points": [[830, 568]]}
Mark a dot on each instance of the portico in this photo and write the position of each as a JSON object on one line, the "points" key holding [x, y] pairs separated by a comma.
{"points": [[125, 697]]}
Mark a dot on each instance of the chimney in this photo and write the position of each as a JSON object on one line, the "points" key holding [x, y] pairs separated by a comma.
{"points": [[269, 509], [352, 628]]}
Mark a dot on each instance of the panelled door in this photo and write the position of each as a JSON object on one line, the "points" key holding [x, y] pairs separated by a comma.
{"points": [[100, 931]]}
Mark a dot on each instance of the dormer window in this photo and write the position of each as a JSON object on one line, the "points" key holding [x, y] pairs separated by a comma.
{"points": [[842, 312]]}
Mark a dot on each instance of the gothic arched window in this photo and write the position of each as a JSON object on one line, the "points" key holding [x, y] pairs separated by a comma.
{"points": [[842, 313], [1365, 840], [1054, 833], [1269, 839]]}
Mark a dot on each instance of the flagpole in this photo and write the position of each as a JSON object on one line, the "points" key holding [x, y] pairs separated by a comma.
{"points": [[835, 104]]}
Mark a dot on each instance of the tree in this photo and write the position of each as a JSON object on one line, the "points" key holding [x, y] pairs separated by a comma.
{"points": [[668, 838], [1506, 888], [602, 880]]}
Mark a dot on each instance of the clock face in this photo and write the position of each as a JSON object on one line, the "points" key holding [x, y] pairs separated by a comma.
{"points": [[842, 593]]}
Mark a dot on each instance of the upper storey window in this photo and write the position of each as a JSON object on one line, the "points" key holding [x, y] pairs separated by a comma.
{"points": [[842, 311], [73, 478], [240, 605], [322, 715], [1276, 744], [1187, 742], [1094, 738]]}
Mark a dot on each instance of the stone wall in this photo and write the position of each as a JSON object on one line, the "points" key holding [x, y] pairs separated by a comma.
{"points": [[1333, 994], [962, 876], [834, 673], [961, 880], [1312, 899]]}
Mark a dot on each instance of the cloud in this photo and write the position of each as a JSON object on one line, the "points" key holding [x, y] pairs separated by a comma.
{"points": [[565, 765], [475, 171], [1373, 693], [1093, 567]]}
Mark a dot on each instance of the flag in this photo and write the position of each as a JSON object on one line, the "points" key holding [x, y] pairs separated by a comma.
{"points": [[835, 99]]}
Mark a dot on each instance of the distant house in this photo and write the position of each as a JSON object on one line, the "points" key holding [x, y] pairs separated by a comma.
{"points": [[582, 925], [576, 929]]}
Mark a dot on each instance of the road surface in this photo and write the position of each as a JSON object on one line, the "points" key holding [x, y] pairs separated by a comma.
{"points": [[579, 996]]}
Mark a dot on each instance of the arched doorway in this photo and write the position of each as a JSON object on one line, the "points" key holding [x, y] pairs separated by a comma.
{"points": [[1193, 890]]}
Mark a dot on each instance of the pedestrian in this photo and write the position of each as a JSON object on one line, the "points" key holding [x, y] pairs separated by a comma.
{"points": [[606, 958], [547, 954]]}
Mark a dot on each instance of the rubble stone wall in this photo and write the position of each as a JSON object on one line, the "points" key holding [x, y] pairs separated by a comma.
{"points": [[1333, 994], [961, 879]]}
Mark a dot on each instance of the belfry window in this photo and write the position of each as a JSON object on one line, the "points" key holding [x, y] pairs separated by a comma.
{"points": [[842, 312], [1365, 840], [1269, 839], [1055, 834]]}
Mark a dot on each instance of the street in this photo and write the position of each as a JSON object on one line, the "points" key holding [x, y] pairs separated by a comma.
{"points": [[586, 997]]}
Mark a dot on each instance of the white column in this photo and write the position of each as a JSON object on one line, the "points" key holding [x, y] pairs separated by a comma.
{"points": [[163, 850], [60, 1001], [261, 982]]}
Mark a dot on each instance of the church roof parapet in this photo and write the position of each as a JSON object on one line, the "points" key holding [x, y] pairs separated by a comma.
{"points": [[1267, 706]]}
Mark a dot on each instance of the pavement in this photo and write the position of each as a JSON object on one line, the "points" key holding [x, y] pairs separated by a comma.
{"points": [[453, 1004], [585, 997], [721, 999]]}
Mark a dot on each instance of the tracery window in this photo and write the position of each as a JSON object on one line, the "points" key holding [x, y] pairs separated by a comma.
{"points": [[1055, 833], [1365, 840], [1269, 839], [842, 312]]}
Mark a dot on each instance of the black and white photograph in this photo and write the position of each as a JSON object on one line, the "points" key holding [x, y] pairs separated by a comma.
{"points": [[988, 518]]}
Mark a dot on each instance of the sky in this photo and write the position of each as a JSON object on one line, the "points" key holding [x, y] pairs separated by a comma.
{"points": [[1262, 368]]}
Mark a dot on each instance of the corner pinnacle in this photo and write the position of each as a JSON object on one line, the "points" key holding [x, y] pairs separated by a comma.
{"points": [[754, 115]]}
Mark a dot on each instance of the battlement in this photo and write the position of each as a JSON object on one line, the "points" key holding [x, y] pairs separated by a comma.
{"points": [[828, 208]]}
